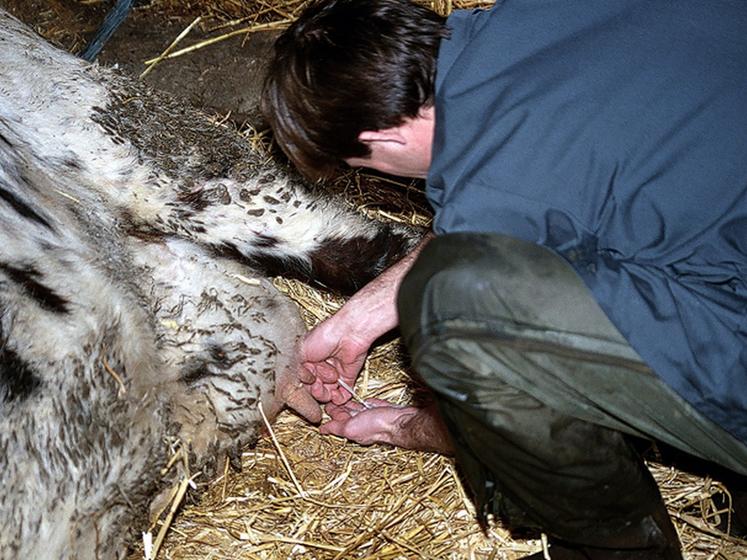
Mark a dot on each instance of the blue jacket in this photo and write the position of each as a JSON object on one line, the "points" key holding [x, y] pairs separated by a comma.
{"points": [[613, 132]]}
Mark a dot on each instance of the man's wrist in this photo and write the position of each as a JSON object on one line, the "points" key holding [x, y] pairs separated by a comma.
{"points": [[377, 301], [423, 430]]}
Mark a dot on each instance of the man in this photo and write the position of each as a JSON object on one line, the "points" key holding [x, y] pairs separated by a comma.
{"points": [[587, 164]]}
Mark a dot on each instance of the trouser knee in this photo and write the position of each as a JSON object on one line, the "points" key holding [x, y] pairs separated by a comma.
{"points": [[515, 288], [475, 311]]}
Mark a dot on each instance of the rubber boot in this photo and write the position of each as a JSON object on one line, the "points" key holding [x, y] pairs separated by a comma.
{"points": [[737, 525], [653, 538]]}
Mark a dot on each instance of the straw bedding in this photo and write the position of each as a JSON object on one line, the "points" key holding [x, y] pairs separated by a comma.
{"points": [[377, 502], [301, 495]]}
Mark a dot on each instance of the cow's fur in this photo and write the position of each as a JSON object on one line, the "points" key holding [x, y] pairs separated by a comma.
{"points": [[135, 241]]}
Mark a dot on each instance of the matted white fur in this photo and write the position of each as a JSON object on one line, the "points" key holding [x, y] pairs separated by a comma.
{"points": [[128, 227]]}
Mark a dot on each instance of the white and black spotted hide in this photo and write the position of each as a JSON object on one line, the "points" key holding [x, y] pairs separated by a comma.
{"points": [[135, 242]]}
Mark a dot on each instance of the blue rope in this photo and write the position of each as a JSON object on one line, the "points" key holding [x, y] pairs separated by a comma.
{"points": [[112, 21]]}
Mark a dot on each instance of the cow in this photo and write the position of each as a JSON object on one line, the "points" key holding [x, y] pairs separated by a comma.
{"points": [[137, 239]]}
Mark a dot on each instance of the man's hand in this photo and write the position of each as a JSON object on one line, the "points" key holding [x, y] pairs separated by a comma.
{"points": [[338, 346], [407, 427], [329, 352]]}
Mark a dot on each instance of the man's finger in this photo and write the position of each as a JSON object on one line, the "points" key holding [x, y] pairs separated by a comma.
{"points": [[340, 396], [343, 412], [333, 427], [320, 391], [351, 408], [327, 372]]}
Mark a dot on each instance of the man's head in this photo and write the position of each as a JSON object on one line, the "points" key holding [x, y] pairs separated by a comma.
{"points": [[345, 67]]}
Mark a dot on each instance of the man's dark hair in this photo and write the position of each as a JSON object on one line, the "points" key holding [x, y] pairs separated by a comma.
{"points": [[346, 66]]}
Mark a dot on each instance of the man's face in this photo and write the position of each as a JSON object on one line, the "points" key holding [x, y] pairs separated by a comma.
{"points": [[404, 150], [393, 164]]}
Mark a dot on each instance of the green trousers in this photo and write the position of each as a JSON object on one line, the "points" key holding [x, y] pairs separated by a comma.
{"points": [[541, 394]]}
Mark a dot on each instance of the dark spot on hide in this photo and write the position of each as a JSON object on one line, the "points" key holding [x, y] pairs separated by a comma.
{"points": [[140, 231], [200, 368], [195, 371], [72, 163], [17, 381], [202, 198], [21, 207], [265, 241], [219, 357], [346, 265], [267, 264], [47, 298], [218, 194], [5, 141], [229, 251]]}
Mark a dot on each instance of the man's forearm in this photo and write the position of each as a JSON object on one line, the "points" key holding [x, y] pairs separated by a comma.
{"points": [[372, 311]]}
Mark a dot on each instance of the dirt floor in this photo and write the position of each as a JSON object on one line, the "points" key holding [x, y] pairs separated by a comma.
{"points": [[356, 502], [224, 77]]}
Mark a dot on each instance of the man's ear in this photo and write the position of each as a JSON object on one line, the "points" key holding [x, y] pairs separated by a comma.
{"points": [[386, 135]]}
